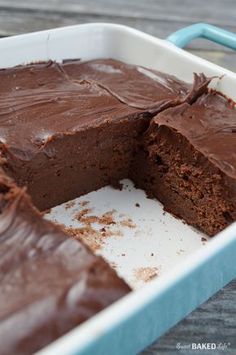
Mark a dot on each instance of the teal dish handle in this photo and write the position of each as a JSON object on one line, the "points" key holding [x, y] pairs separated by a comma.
{"points": [[203, 30]]}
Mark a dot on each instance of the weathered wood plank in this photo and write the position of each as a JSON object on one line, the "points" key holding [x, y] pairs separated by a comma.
{"points": [[214, 322], [18, 21], [217, 11], [12, 23]]}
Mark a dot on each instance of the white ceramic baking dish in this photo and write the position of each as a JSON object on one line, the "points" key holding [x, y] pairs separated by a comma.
{"points": [[189, 271]]}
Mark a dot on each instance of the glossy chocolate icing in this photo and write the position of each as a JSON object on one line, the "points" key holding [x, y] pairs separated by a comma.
{"points": [[49, 282], [66, 129], [61, 121], [132, 85], [41, 102], [209, 125]]}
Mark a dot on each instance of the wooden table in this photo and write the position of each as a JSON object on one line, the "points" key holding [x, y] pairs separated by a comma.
{"points": [[214, 321]]}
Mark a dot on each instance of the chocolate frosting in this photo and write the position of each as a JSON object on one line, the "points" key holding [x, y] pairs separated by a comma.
{"points": [[210, 126], [41, 102], [135, 86], [49, 282]]}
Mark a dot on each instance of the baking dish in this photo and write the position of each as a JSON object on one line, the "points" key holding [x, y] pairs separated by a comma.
{"points": [[185, 280]]}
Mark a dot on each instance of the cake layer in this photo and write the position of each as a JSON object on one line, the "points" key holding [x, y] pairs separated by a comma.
{"points": [[76, 125], [50, 283], [188, 162]]}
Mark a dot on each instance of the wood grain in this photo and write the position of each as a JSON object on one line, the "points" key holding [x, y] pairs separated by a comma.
{"points": [[213, 11], [215, 320], [155, 17]]}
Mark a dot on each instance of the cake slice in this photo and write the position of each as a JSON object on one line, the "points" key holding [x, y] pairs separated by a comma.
{"points": [[49, 282], [187, 160], [68, 129]]}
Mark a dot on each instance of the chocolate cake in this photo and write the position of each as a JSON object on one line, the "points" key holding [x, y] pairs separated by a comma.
{"points": [[75, 125], [71, 128], [49, 282], [188, 162]]}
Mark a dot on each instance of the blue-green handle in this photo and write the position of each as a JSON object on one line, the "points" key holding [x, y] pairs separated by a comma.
{"points": [[182, 37]]}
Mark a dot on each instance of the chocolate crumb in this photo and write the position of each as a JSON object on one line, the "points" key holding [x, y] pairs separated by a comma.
{"points": [[128, 223], [145, 274], [113, 265], [69, 204], [92, 238], [107, 218], [84, 203], [137, 204]]}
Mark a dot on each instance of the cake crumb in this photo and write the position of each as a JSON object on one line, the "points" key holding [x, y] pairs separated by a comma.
{"points": [[128, 223], [137, 204], [203, 239], [84, 203], [106, 219], [145, 274], [81, 216], [152, 254], [93, 237], [69, 204], [89, 236], [113, 265]]}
